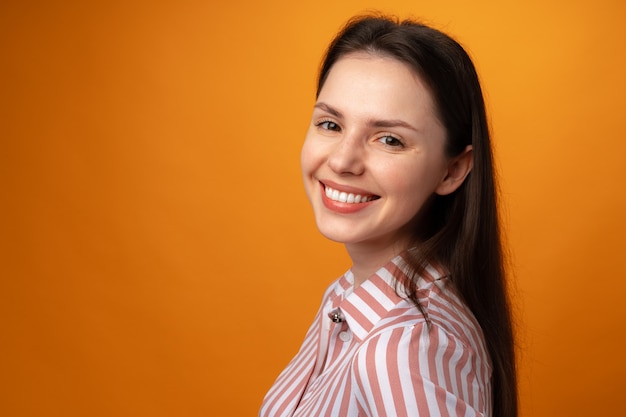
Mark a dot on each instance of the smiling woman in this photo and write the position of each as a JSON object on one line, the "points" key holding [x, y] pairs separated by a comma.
{"points": [[397, 166]]}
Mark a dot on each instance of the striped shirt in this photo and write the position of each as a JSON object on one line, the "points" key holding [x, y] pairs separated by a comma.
{"points": [[380, 358]]}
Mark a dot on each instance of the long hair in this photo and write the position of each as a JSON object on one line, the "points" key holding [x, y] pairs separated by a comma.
{"points": [[462, 229]]}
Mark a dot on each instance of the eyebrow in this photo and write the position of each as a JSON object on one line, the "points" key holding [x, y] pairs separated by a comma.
{"points": [[372, 122]]}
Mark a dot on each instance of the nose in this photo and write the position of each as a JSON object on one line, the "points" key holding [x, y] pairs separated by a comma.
{"points": [[347, 157]]}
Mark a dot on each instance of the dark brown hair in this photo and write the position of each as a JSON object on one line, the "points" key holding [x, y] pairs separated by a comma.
{"points": [[462, 229]]}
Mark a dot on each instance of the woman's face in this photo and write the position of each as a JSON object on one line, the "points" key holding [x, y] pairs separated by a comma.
{"points": [[374, 152]]}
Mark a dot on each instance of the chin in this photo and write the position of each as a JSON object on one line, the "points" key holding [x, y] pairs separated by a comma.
{"points": [[336, 234]]}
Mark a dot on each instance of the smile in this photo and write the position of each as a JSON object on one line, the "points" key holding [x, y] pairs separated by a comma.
{"points": [[349, 198]]}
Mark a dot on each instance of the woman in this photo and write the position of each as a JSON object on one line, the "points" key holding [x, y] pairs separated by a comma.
{"points": [[397, 164]]}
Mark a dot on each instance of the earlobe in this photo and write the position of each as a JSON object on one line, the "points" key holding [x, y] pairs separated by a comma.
{"points": [[458, 169]]}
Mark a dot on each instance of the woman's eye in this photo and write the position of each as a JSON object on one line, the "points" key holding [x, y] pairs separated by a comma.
{"points": [[328, 125], [391, 141]]}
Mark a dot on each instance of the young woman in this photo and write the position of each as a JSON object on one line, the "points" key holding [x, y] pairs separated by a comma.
{"points": [[397, 164]]}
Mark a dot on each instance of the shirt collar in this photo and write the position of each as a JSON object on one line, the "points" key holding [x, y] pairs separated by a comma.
{"points": [[364, 307]]}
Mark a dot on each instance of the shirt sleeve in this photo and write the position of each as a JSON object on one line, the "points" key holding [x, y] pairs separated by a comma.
{"points": [[419, 371]]}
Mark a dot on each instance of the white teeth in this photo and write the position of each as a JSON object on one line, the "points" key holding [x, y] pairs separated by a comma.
{"points": [[344, 197]]}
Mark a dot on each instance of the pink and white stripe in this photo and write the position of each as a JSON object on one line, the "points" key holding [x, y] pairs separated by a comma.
{"points": [[383, 359]]}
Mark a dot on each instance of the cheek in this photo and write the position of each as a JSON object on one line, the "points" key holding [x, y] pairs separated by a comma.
{"points": [[413, 186], [309, 157], [310, 160], [305, 159]]}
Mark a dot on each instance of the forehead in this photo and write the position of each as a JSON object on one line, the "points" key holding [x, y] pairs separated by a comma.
{"points": [[376, 85]]}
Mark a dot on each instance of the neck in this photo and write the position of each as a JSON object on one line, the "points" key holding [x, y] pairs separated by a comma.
{"points": [[367, 259]]}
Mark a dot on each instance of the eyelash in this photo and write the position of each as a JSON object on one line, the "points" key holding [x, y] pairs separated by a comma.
{"points": [[398, 142], [323, 122]]}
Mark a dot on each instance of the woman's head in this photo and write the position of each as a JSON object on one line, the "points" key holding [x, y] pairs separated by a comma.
{"points": [[375, 154], [448, 74]]}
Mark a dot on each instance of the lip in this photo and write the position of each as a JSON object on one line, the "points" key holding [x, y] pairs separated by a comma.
{"points": [[344, 208], [345, 188]]}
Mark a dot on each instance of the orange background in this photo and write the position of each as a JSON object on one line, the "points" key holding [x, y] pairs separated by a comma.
{"points": [[157, 252]]}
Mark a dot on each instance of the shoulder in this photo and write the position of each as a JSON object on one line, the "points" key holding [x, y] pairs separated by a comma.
{"points": [[448, 313], [419, 347], [422, 368], [429, 365]]}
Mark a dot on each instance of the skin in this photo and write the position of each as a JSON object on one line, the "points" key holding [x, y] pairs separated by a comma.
{"points": [[374, 133]]}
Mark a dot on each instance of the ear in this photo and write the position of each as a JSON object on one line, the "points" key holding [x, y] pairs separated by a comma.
{"points": [[458, 168]]}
